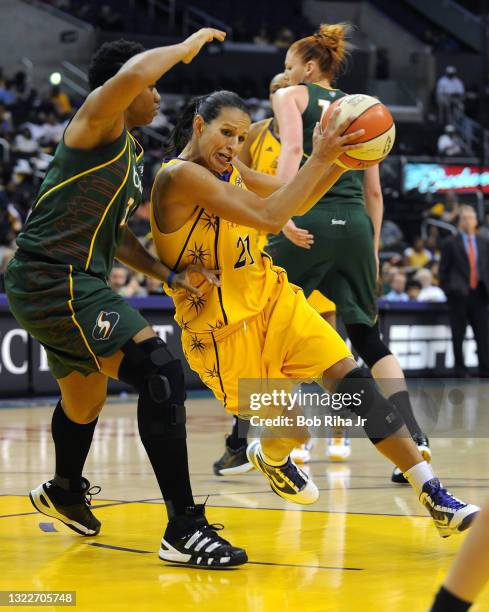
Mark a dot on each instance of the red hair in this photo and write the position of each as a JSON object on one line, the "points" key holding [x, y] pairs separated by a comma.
{"points": [[328, 46]]}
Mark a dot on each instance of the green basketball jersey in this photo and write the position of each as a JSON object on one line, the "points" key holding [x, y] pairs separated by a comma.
{"points": [[83, 205], [348, 189]]}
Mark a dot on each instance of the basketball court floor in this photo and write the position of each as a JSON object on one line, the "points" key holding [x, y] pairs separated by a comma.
{"points": [[367, 545]]}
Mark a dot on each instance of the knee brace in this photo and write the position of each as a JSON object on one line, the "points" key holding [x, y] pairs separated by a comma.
{"points": [[158, 377], [367, 342], [382, 417]]}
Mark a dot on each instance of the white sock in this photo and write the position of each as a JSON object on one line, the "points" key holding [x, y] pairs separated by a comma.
{"points": [[418, 475], [272, 462]]}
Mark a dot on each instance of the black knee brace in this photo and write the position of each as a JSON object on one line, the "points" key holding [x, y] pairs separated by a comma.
{"points": [[158, 377], [381, 417], [367, 342]]}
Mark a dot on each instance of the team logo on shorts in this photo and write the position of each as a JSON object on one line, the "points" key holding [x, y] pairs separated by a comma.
{"points": [[106, 321]]}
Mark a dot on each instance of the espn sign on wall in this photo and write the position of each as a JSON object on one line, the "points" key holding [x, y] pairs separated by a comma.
{"points": [[439, 178], [419, 337]]}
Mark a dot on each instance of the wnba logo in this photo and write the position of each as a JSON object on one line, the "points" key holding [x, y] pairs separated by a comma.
{"points": [[106, 321]]}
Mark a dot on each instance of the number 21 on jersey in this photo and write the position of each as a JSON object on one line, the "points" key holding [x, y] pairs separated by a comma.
{"points": [[245, 257]]}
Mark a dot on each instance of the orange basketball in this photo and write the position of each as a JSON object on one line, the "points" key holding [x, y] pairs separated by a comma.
{"points": [[368, 113]]}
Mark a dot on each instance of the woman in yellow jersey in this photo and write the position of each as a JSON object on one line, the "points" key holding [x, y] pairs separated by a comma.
{"points": [[260, 152], [255, 324]]}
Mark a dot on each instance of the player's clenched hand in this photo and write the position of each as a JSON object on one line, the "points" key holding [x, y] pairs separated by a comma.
{"points": [[195, 42], [328, 144], [300, 237], [195, 278]]}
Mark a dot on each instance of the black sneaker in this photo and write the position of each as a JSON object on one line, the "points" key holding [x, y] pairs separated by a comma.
{"points": [[71, 508], [190, 540], [423, 445], [233, 462]]}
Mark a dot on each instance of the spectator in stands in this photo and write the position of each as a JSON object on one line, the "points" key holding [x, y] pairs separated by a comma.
{"points": [[285, 38], [449, 143], [464, 276], [398, 289], [387, 272], [429, 292], [153, 286], [452, 208], [391, 237], [413, 289], [124, 283], [432, 243], [52, 131], [108, 20], [61, 102], [450, 92], [24, 144], [6, 124], [7, 94], [417, 256]]}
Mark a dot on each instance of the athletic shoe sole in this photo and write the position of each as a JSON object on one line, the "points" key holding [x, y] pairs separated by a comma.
{"points": [[235, 471], [172, 555], [41, 502]]}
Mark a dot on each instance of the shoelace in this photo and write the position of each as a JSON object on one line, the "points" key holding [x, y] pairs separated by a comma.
{"points": [[291, 472], [212, 528], [93, 490], [209, 531], [446, 499]]}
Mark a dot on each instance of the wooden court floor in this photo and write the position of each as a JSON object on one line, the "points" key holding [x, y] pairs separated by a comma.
{"points": [[367, 545]]}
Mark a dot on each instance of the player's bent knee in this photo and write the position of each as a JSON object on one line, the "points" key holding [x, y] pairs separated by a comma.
{"points": [[159, 378], [381, 418]]}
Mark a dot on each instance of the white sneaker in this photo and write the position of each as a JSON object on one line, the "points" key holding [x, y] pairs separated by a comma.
{"points": [[338, 449], [302, 453]]}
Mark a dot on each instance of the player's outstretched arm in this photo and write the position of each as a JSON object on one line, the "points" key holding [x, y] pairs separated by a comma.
{"points": [[103, 110], [189, 184], [144, 70]]}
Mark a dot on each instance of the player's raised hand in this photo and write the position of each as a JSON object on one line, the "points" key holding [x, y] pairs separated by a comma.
{"points": [[195, 278], [196, 41], [329, 143]]}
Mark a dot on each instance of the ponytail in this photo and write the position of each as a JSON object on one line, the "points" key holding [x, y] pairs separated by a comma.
{"points": [[328, 46]]}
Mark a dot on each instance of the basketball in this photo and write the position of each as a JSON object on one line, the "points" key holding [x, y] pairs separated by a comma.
{"points": [[369, 114]]}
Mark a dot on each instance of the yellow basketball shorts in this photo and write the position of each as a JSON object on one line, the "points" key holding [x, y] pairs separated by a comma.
{"points": [[287, 340], [320, 302]]}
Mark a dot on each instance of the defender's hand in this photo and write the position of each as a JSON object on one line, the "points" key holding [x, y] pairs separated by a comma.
{"points": [[194, 278], [196, 41]]}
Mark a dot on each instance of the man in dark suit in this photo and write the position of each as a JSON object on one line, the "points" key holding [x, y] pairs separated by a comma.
{"points": [[464, 277]]}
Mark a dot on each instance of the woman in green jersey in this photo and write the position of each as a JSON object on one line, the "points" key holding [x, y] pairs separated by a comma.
{"points": [[57, 289], [340, 255]]}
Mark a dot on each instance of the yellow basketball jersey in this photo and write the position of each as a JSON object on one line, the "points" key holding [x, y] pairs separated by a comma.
{"points": [[265, 150], [247, 278]]}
